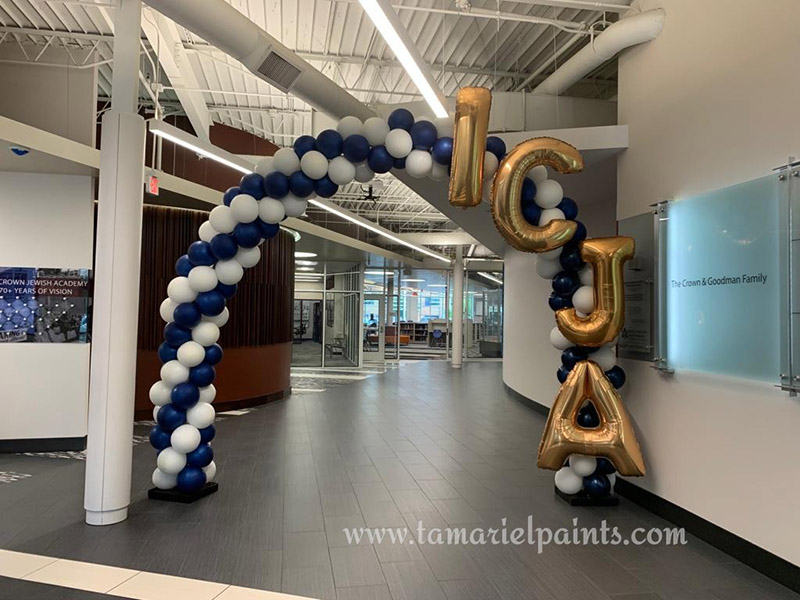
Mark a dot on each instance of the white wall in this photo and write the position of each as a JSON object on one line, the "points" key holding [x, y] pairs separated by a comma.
{"points": [[48, 222], [710, 103]]}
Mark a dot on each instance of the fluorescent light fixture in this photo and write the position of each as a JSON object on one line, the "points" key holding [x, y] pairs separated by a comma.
{"points": [[414, 280], [306, 263], [305, 254], [387, 22], [436, 285], [331, 208], [305, 268], [490, 277], [195, 144], [379, 273]]}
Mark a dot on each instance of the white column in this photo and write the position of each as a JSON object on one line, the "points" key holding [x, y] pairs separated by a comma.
{"points": [[116, 291], [458, 308]]}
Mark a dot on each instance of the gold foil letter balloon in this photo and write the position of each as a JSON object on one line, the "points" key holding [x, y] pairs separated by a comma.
{"points": [[606, 256], [469, 146]]}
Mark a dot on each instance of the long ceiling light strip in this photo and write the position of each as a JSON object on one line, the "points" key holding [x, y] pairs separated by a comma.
{"points": [[187, 140], [490, 277], [388, 24], [375, 229]]}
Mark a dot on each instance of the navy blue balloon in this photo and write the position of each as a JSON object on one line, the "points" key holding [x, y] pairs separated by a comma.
{"points": [[268, 230], [571, 356], [557, 302], [562, 374], [186, 315], [528, 191], [175, 335], [191, 479], [253, 185], [227, 290], [443, 150], [185, 395], [276, 184], [329, 142], [565, 283], [230, 194], [213, 354], [379, 160], [604, 466], [159, 439], [531, 212], [247, 235], [496, 146], [616, 376], [170, 417], [570, 258], [202, 375], [580, 233], [325, 187], [588, 417], [355, 148], [400, 163], [167, 353], [200, 456], [569, 208], [303, 144], [301, 185], [423, 135], [183, 265], [223, 246], [211, 303], [597, 485], [207, 434], [201, 255], [401, 119]]}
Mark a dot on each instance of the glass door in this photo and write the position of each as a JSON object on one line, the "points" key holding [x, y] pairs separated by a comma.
{"points": [[374, 328]]}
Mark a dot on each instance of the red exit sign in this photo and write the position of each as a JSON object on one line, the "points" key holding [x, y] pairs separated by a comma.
{"points": [[152, 185]]}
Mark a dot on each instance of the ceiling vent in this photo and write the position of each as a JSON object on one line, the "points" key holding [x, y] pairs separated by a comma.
{"points": [[278, 71]]}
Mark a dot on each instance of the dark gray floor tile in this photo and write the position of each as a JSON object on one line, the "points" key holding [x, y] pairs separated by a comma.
{"points": [[367, 592], [438, 489], [314, 582], [412, 581], [355, 566], [469, 589], [308, 549]]}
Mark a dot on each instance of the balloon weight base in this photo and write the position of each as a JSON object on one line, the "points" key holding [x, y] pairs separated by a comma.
{"points": [[583, 499], [176, 495]]}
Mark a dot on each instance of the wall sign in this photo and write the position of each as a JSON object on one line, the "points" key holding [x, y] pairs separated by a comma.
{"points": [[42, 305]]}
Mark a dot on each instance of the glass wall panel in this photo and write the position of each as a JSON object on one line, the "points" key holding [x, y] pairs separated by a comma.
{"points": [[483, 315]]}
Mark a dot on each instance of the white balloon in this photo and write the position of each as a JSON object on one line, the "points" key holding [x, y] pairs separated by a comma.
{"points": [[586, 275], [206, 231], [220, 319], [314, 164], [363, 173], [155, 412], [191, 354], [551, 254], [163, 481], [185, 438], [558, 340], [229, 272], [180, 291], [612, 479], [439, 172], [547, 268], [444, 126], [583, 299], [550, 214], [286, 161], [265, 166], [399, 143], [375, 130], [341, 171], [549, 193], [222, 219], [567, 481], [419, 163], [350, 126], [605, 357], [582, 465], [173, 373], [201, 415], [537, 174], [294, 206], [170, 461], [210, 470], [208, 393], [160, 393], [167, 309], [244, 208], [271, 210], [205, 333], [490, 164], [248, 257], [203, 279]]}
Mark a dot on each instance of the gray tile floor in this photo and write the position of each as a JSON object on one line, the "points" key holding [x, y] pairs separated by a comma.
{"points": [[419, 443]]}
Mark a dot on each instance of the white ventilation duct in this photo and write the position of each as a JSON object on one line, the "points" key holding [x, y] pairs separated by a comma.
{"points": [[223, 26], [625, 33]]}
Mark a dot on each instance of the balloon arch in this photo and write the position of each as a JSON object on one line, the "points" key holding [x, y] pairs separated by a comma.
{"points": [[207, 275]]}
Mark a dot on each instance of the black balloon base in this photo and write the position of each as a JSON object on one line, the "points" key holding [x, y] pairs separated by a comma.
{"points": [[584, 499], [176, 495]]}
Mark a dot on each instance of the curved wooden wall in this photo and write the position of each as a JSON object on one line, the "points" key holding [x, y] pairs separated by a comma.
{"points": [[257, 340]]}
